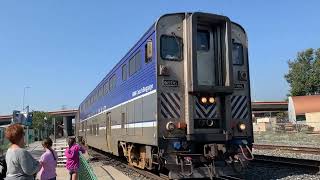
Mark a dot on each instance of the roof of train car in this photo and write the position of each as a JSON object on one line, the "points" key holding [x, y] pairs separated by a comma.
{"points": [[128, 54]]}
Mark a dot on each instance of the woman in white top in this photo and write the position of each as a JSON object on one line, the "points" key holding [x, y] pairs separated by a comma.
{"points": [[20, 164]]}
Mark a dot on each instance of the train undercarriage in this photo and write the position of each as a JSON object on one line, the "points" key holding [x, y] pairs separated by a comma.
{"points": [[215, 160]]}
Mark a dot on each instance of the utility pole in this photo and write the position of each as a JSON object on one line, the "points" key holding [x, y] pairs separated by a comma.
{"points": [[24, 94], [27, 127], [54, 129]]}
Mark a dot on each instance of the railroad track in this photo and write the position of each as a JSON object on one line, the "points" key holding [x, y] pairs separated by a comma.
{"points": [[294, 149], [301, 163], [229, 178], [122, 165]]}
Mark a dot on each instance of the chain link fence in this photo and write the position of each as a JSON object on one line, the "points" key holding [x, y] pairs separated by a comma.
{"points": [[85, 170]]}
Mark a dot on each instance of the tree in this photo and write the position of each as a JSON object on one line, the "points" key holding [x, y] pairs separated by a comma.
{"points": [[42, 123], [39, 120], [304, 73]]}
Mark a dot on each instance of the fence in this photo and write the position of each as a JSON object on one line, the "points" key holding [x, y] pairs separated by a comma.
{"points": [[85, 170]]}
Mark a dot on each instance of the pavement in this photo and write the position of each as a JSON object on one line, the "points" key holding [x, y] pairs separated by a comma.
{"points": [[102, 172], [37, 150]]}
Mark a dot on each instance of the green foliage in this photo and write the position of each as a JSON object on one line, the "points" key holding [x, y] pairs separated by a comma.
{"points": [[40, 120], [304, 73]]}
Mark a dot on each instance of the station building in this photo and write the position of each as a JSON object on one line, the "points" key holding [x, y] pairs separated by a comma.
{"points": [[305, 109]]}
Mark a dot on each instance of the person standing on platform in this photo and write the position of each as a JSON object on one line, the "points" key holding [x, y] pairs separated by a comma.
{"points": [[72, 154], [48, 161], [20, 163]]}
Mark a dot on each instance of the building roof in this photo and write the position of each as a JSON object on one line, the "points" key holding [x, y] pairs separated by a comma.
{"points": [[269, 106], [306, 104]]}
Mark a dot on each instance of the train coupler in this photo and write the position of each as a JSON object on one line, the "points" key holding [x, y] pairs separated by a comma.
{"points": [[186, 162]]}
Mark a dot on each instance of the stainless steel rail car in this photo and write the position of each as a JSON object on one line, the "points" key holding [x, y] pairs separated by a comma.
{"points": [[179, 99]]}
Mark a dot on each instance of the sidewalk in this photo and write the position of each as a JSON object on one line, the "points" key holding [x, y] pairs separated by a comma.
{"points": [[37, 150], [102, 172]]}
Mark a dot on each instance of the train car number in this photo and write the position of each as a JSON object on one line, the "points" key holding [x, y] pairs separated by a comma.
{"points": [[170, 83], [239, 86]]}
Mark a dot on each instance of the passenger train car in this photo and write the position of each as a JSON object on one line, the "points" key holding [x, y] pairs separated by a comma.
{"points": [[178, 100]]}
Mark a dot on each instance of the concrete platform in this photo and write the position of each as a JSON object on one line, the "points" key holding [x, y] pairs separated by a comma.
{"points": [[116, 174], [62, 173], [102, 172], [36, 149]]}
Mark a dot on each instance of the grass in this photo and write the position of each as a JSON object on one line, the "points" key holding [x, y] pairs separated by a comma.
{"points": [[297, 139]]}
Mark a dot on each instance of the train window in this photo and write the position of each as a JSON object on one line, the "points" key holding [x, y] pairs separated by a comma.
{"points": [[123, 120], [114, 78], [203, 40], [237, 54], [138, 61], [107, 87], [135, 63], [91, 100], [100, 92], [97, 131], [132, 66], [95, 97], [112, 82], [205, 63], [94, 129], [124, 72], [171, 47]]}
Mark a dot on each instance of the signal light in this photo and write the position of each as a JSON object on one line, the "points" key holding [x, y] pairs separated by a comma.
{"points": [[242, 126], [181, 125], [212, 100], [204, 100]]}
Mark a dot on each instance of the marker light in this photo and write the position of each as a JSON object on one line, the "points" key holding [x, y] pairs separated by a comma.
{"points": [[170, 126], [204, 100], [242, 126], [212, 100]]}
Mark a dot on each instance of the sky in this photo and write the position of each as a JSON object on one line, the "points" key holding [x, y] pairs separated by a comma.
{"points": [[62, 49]]}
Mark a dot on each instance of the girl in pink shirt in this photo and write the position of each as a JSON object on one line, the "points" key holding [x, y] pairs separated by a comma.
{"points": [[72, 154], [48, 161]]}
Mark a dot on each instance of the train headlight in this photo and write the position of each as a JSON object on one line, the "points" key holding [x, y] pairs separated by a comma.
{"points": [[241, 126], [212, 100], [204, 100], [170, 126]]}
